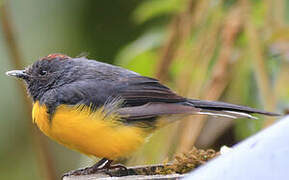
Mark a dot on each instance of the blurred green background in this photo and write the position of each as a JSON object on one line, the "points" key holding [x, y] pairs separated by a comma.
{"points": [[235, 51]]}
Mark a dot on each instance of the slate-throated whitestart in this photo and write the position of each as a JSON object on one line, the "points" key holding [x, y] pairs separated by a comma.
{"points": [[106, 111]]}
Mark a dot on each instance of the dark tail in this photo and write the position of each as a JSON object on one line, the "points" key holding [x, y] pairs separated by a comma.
{"points": [[216, 108]]}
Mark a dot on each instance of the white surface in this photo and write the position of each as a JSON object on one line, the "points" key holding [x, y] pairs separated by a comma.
{"points": [[262, 156]]}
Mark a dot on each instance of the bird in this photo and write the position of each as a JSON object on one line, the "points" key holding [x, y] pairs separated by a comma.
{"points": [[107, 111]]}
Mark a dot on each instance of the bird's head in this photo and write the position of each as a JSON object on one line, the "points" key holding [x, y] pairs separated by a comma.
{"points": [[45, 74]]}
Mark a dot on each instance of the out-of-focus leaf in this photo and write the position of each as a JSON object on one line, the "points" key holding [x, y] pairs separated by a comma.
{"points": [[143, 64], [153, 8], [148, 41]]}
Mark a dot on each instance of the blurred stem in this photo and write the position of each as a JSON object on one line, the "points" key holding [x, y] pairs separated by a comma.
{"points": [[175, 34], [40, 144], [220, 78], [278, 14], [168, 51], [281, 88], [256, 52]]}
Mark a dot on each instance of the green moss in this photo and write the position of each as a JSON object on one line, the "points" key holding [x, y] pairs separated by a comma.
{"points": [[186, 162]]}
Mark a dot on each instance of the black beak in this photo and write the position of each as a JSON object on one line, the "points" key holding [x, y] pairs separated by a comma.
{"points": [[18, 74]]}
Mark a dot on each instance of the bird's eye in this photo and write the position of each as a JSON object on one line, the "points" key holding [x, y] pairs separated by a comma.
{"points": [[42, 72]]}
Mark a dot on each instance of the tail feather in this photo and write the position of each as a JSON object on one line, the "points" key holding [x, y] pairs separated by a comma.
{"points": [[216, 108], [220, 114], [241, 114], [228, 114]]}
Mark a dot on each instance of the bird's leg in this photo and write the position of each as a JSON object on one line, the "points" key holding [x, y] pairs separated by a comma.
{"points": [[108, 166], [104, 165]]}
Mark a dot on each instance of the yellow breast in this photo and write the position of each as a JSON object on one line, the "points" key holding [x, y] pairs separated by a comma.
{"points": [[93, 134]]}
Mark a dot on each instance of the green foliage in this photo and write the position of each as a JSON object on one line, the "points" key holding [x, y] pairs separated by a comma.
{"points": [[150, 9], [140, 55]]}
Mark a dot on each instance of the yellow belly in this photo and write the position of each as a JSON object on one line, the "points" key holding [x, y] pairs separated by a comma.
{"points": [[90, 133]]}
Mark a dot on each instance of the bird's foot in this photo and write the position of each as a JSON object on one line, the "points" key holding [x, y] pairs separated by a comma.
{"points": [[103, 166]]}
